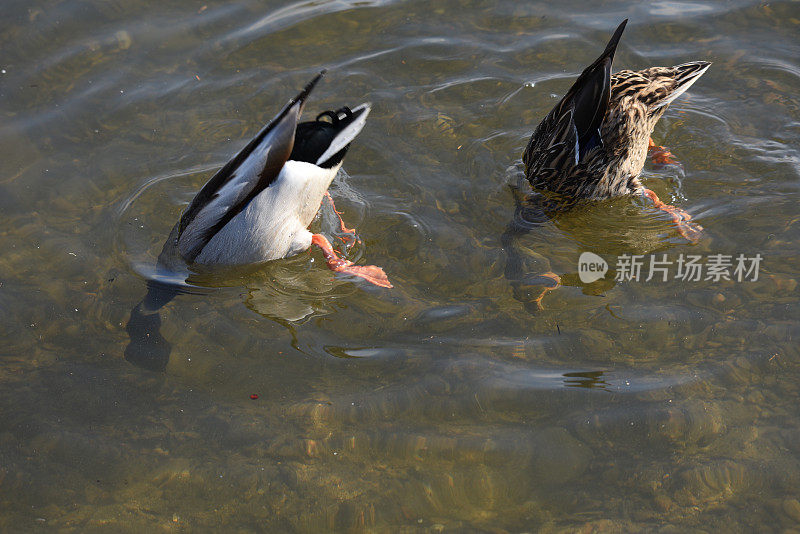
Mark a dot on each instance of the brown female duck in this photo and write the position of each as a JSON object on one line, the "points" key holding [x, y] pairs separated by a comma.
{"points": [[594, 143]]}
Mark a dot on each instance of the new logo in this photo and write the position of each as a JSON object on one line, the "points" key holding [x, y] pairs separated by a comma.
{"points": [[591, 267]]}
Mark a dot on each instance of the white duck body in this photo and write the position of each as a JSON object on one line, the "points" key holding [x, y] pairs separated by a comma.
{"points": [[275, 223], [259, 205]]}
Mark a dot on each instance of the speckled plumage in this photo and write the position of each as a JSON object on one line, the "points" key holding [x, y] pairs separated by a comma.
{"points": [[594, 143]]}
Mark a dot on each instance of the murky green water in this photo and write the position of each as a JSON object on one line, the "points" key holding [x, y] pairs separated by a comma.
{"points": [[443, 404]]}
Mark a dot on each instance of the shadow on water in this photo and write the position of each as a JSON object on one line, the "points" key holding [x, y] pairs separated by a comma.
{"points": [[586, 379], [147, 348], [289, 292]]}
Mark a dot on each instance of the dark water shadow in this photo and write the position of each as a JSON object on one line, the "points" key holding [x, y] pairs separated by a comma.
{"points": [[586, 379], [147, 348]]}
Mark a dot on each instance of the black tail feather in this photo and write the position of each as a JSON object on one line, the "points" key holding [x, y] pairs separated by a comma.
{"points": [[591, 94], [283, 131]]}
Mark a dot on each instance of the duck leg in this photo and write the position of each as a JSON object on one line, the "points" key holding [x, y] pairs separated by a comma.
{"points": [[350, 231], [529, 273], [370, 273], [689, 230], [660, 155], [533, 288]]}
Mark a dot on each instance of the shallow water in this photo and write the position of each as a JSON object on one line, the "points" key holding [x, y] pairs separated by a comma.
{"points": [[445, 403]]}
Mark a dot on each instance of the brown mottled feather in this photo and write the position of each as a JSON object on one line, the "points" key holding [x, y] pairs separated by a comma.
{"points": [[560, 161]]}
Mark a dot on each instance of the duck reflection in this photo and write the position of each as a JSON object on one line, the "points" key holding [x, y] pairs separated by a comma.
{"points": [[586, 379], [541, 220], [288, 292], [147, 348]]}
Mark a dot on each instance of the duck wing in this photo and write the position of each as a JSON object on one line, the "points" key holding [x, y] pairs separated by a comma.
{"points": [[572, 128], [251, 171]]}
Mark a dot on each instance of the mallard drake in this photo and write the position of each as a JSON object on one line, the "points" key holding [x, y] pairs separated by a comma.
{"points": [[259, 205], [594, 142], [254, 209]]}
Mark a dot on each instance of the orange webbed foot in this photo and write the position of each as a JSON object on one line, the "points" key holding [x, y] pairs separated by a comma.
{"points": [[554, 284], [689, 230], [370, 273], [660, 155], [351, 233]]}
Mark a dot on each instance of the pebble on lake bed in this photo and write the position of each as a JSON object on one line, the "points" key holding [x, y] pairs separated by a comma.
{"points": [[559, 457], [123, 39], [715, 482], [791, 507]]}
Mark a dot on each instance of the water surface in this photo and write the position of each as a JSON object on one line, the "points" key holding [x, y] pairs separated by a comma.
{"points": [[444, 404]]}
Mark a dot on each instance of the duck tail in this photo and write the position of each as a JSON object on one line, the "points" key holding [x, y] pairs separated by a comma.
{"points": [[591, 93], [684, 77], [349, 123], [611, 47], [303, 95]]}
